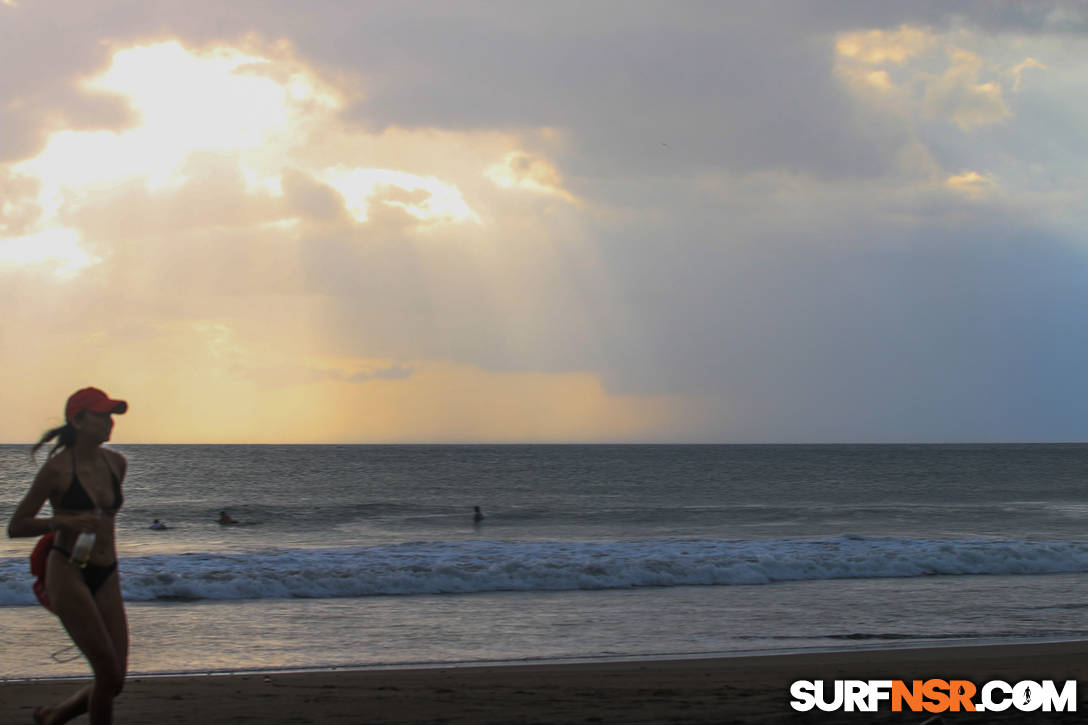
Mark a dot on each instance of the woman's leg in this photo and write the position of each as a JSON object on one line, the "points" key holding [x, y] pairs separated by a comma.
{"points": [[111, 607], [73, 707], [80, 614]]}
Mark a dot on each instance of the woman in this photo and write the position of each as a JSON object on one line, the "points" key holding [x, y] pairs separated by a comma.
{"points": [[82, 482]]}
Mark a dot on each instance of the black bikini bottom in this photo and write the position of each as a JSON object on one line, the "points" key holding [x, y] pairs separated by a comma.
{"points": [[94, 575]]}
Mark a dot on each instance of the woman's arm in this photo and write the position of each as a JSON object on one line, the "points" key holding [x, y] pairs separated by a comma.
{"points": [[24, 521]]}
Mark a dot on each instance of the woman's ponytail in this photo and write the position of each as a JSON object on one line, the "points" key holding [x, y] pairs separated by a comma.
{"points": [[65, 435]]}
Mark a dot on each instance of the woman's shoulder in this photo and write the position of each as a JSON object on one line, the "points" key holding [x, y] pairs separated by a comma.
{"points": [[115, 459], [57, 465], [55, 470]]}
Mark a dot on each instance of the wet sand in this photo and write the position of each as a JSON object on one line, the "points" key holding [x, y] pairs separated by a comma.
{"points": [[713, 690]]}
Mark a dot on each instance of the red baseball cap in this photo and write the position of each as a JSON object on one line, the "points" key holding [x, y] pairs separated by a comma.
{"points": [[95, 401]]}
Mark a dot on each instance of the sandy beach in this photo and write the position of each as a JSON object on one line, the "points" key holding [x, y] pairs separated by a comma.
{"points": [[718, 690]]}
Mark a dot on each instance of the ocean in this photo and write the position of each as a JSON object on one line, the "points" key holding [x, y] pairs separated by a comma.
{"points": [[359, 556]]}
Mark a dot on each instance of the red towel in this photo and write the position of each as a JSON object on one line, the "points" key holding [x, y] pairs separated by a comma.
{"points": [[38, 559]]}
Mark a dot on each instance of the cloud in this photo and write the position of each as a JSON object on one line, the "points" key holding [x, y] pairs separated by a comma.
{"points": [[57, 248], [959, 95], [426, 199], [478, 222], [51, 50], [901, 63], [1018, 71], [19, 206], [875, 330], [523, 171], [878, 47], [310, 198], [970, 183], [393, 372]]}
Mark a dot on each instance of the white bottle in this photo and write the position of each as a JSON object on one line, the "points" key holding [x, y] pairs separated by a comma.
{"points": [[81, 552]]}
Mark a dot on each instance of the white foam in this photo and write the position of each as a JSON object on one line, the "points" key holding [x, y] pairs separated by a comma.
{"points": [[486, 566]]}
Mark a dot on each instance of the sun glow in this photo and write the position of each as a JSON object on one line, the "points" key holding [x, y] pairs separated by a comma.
{"points": [[222, 100], [198, 102], [521, 170], [259, 112], [50, 245], [426, 198], [185, 102]]}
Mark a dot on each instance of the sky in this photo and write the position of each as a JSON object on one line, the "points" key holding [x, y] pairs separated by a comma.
{"points": [[610, 221]]}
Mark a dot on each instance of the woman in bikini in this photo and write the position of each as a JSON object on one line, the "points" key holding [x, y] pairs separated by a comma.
{"points": [[82, 482]]}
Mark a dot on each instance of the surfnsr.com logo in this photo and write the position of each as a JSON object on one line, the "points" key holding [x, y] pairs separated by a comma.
{"points": [[933, 696]]}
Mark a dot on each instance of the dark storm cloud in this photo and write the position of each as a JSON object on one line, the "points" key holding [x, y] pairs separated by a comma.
{"points": [[721, 84], [657, 90], [880, 332]]}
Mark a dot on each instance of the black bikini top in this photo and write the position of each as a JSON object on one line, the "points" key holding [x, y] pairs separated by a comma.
{"points": [[76, 498]]}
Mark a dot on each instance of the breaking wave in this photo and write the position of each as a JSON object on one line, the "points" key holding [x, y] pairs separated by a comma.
{"points": [[490, 566]]}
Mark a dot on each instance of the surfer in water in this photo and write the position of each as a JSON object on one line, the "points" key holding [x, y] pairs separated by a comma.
{"points": [[478, 516], [224, 518], [157, 525]]}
